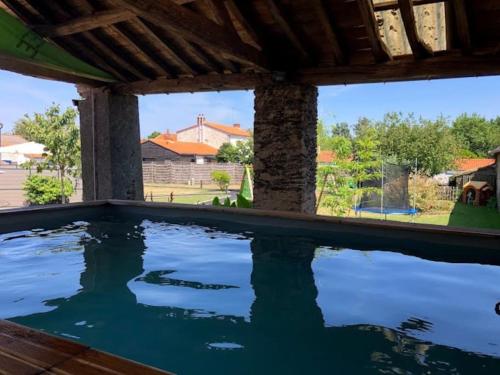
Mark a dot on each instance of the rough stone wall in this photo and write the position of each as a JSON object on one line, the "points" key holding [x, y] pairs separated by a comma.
{"points": [[181, 172], [211, 136], [285, 147], [111, 151]]}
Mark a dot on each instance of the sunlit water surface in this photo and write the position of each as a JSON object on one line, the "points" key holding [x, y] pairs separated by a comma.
{"points": [[199, 300]]}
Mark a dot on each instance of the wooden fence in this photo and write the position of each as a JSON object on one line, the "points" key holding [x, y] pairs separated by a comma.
{"points": [[449, 193]]}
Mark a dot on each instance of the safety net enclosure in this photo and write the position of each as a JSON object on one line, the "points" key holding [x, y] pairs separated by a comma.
{"points": [[390, 193]]}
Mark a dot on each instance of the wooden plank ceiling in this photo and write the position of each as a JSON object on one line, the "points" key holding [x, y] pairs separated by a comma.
{"points": [[153, 46]]}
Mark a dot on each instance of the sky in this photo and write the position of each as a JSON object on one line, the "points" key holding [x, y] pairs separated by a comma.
{"points": [[21, 95]]}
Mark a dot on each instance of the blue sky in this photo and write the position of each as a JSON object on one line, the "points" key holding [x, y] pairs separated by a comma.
{"points": [[21, 94]]}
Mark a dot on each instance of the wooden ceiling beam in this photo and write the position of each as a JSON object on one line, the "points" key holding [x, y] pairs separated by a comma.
{"points": [[394, 4], [195, 28], [452, 65], [419, 48], [189, 50], [287, 29], [164, 48], [379, 49], [462, 25], [235, 12], [85, 23], [333, 40], [34, 69]]}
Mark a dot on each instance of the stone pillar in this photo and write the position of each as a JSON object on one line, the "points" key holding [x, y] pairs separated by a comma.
{"points": [[111, 148], [285, 147]]}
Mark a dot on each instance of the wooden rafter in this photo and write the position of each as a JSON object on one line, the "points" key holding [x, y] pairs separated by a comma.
{"points": [[462, 25], [287, 29], [404, 69], [235, 12], [417, 45], [379, 49], [164, 48], [194, 54], [331, 35], [195, 28], [80, 24]]}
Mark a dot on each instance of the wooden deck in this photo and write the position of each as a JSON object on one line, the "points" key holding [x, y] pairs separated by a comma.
{"points": [[24, 351]]}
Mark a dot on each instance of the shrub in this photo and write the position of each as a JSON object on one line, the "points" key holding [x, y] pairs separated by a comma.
{"points": [[45, 189], [424, 192], [222, 179]]}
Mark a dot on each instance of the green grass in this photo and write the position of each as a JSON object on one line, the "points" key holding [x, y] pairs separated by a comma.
{"points": [[460, 216], [182, 194]]}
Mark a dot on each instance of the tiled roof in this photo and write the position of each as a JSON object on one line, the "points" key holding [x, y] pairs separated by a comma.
{"points": [[325, 156], [231, 130], [10, 140], [472, 164], [185, 148]]}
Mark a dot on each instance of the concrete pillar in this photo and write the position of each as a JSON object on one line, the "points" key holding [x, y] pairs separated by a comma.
{"points": [[111, 149], [285, 147]]}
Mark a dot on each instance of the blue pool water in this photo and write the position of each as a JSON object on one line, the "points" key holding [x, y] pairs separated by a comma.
{"points": [[197, 299]]}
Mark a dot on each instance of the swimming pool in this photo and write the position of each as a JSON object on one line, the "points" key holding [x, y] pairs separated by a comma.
{"points": [[221, 295]]}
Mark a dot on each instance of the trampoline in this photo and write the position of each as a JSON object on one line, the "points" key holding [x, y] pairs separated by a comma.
{"points": [[393, 197]]}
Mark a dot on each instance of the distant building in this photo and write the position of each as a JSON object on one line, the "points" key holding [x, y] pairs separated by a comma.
{"points": [[212, 134], [11, 139], [17, 150], [161, 149]]}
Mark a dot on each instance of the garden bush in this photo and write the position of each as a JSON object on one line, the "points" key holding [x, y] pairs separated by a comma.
{"points": [[222, 179], [45, 189]]}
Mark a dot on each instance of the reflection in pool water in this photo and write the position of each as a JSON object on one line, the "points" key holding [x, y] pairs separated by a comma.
{"points": [[194, 299]]}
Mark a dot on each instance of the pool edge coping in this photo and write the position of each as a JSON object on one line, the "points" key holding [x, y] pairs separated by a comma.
{"points": [[287, 215]]}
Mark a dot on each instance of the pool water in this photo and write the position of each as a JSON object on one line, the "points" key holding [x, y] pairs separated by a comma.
{"points": [[198, 299]]}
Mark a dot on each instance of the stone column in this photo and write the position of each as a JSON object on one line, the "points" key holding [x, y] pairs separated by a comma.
{"points": [[285, 147], [111, 148]]}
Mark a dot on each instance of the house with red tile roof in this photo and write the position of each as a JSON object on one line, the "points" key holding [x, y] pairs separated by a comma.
{"points": [[161, 148], [472, 164], [212, 133]]}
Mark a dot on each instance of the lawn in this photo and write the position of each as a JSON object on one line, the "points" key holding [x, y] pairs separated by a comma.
{"points": [[461, 216], [182, 193]]}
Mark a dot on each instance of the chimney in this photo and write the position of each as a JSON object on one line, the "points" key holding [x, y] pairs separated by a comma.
{"points": [[236, 126], [199, 122]]}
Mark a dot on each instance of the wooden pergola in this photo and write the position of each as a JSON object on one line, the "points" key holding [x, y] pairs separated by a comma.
{"points": [[281, 48], [154, 46]]}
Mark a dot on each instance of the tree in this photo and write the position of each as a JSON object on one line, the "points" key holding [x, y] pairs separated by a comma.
{"points": [[323, 139], [334, 180], [476, 134], [222, 179], [61, 137], [366, 164], [341, 129], [227, 153], [244, 151], [154, 134], [405, 140], [241, 153], [22, 128]]}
